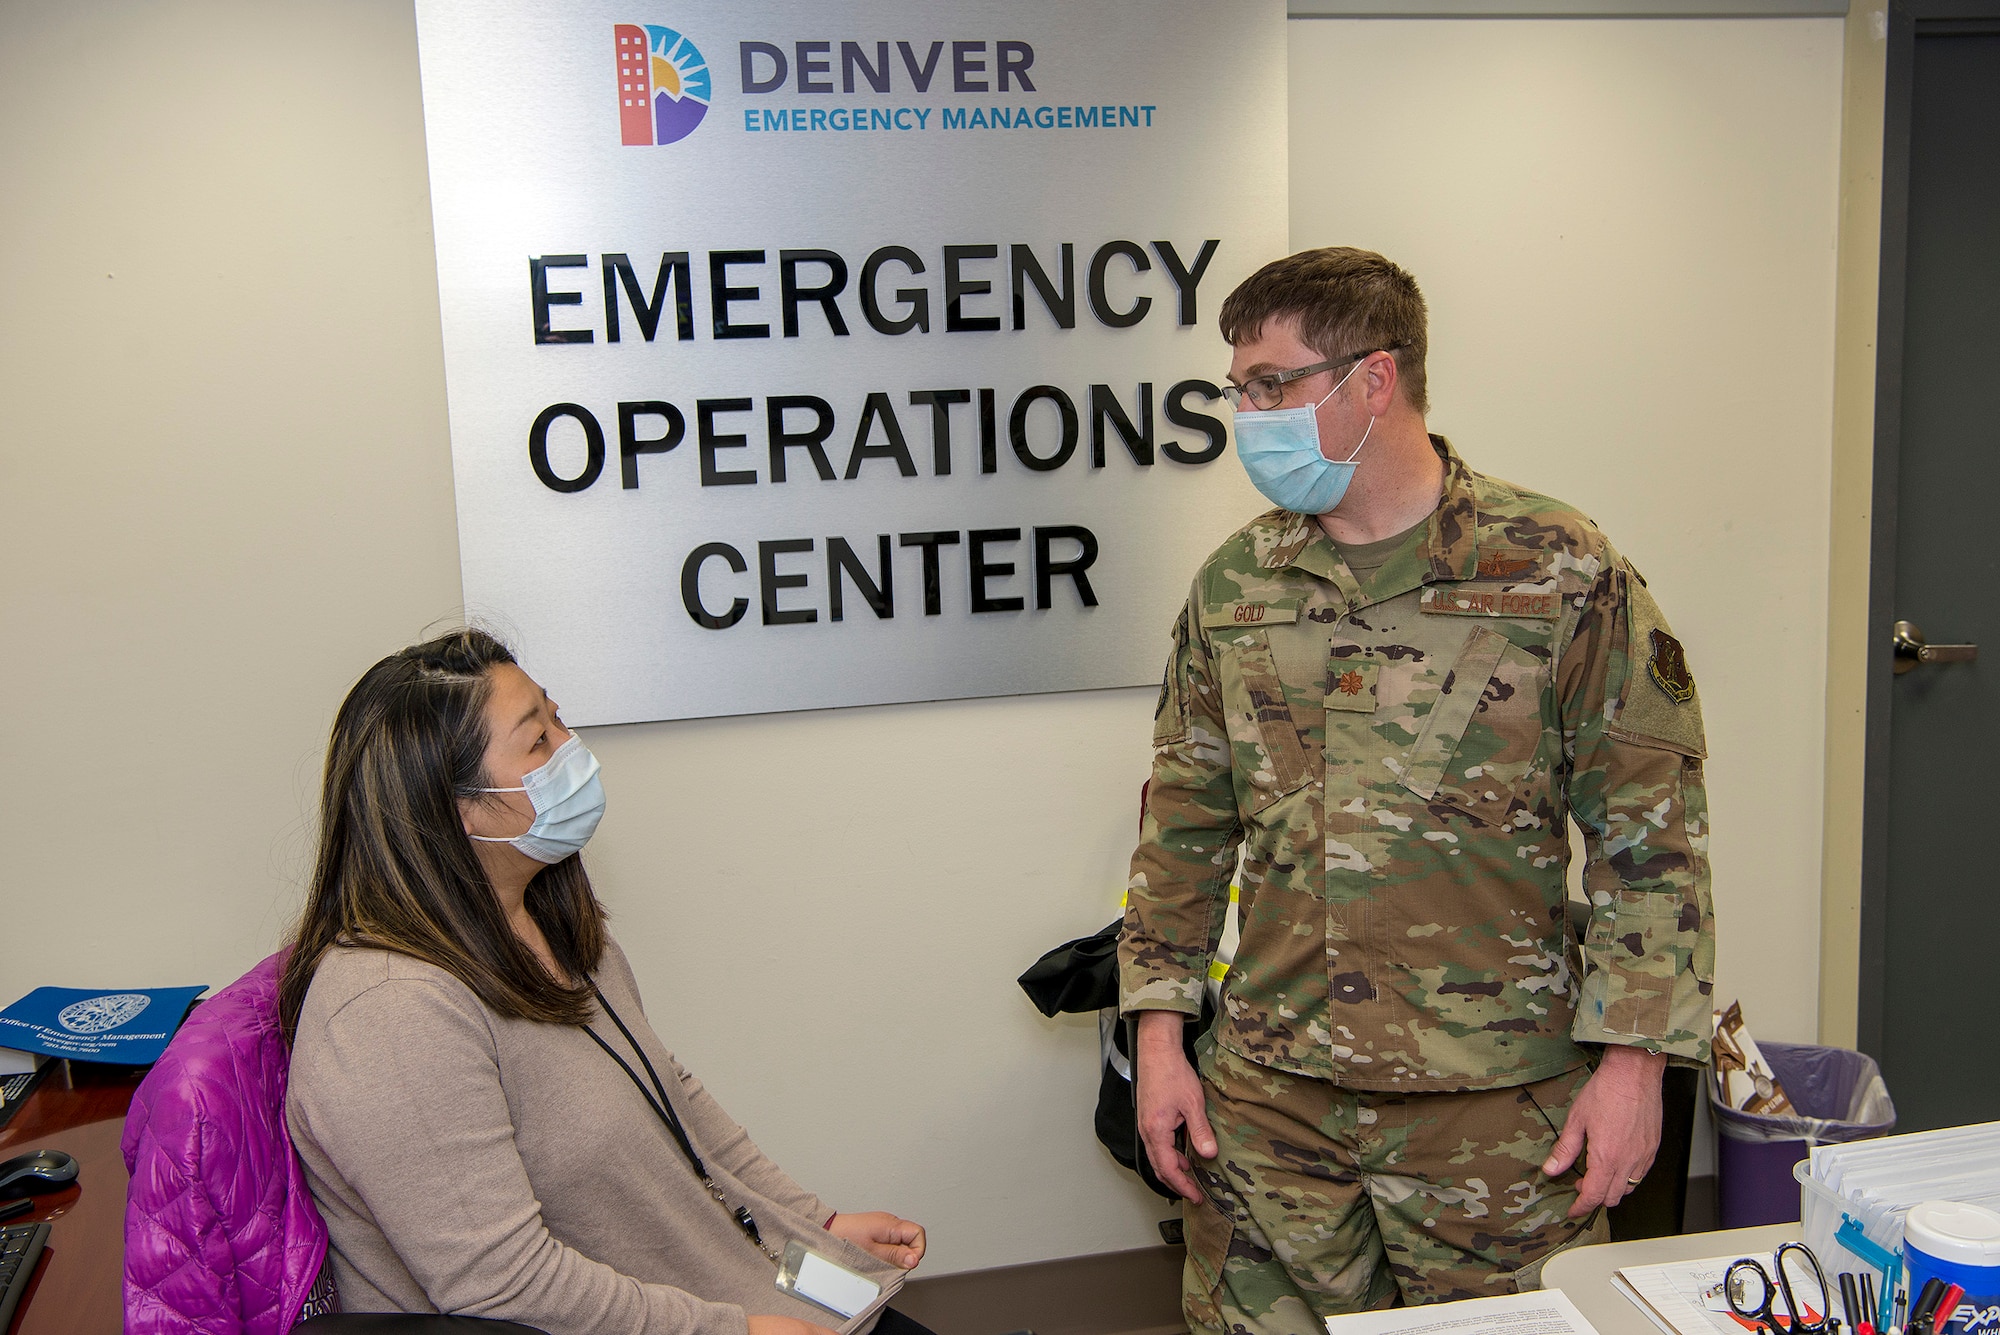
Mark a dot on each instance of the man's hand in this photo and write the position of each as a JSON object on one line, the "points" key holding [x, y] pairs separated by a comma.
{"points": [[1170, 1097], [897, 1241], [1617, 1115]]}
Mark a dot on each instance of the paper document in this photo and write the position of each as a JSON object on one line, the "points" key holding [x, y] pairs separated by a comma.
{"points": [[1544, 1312], [1684, 1297]]}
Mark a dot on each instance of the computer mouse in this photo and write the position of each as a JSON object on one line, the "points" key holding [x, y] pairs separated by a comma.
{"points": [[31, 1174]]}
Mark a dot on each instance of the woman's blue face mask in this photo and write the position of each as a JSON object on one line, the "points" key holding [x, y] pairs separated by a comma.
{"points": [[1280, 451], [568, 798]]}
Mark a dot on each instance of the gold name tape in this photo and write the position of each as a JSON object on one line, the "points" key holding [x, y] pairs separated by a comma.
{"points": [[1465, 602]]}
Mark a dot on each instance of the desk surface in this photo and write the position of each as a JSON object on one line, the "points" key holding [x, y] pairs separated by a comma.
{"points": [[1585, 1273], [78, 1285]]}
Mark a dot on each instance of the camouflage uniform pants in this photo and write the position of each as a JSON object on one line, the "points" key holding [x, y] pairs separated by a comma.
{"points": [[1323, 1200]]}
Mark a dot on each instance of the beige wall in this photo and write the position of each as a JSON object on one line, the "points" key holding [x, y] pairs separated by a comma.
{"points": [[226, 485]]}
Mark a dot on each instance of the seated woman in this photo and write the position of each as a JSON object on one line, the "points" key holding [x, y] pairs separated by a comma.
{"points": [[489, 1123]]}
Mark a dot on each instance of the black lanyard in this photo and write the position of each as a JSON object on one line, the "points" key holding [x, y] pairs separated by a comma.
{"points": [[664, 1110]]}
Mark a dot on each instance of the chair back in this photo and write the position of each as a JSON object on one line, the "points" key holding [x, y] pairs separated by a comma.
{"points": [[221, 1235]]}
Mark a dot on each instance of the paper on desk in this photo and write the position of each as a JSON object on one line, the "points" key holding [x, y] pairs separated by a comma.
{"points": [[1675, 1296], [1543, 1312]]}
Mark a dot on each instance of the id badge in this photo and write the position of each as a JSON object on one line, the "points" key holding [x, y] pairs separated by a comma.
{"points": [[823, 1283]]}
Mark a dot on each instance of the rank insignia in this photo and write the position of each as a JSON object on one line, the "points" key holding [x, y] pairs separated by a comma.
{"points": [[1499, 565], [1670, 669]]}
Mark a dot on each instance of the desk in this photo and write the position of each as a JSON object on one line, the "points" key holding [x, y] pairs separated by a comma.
{"points": [[1585, 1273], [78, 1285]]}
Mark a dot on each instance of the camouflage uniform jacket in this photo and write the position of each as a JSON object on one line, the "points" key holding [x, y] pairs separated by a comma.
{"points": [[1399, 762]]}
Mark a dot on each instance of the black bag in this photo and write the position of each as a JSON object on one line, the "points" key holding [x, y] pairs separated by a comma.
{"points": [[1081, 976]]}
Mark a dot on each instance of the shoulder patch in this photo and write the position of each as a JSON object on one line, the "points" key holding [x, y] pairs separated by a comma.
{"points": [[1669, 668], [1660, 704]]}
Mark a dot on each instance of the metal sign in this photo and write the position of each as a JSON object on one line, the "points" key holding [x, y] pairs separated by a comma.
{"points": [[803, 356]]}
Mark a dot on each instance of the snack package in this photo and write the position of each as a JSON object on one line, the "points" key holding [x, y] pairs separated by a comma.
{"points": [[1741, 1073]]}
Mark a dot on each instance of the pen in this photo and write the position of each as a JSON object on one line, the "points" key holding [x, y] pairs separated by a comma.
{"points": [[1866, 1326], [1850, 1300], [9, 1209]]}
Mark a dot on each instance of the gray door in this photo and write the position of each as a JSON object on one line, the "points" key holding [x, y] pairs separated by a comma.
{"points": [[1937, 908]]}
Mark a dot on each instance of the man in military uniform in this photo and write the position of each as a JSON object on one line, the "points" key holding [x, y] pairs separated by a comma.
{"points": [[1392, 693]]}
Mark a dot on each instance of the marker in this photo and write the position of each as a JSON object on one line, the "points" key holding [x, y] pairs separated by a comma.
{"points": [[1947, 1307], [1850, 1299]]}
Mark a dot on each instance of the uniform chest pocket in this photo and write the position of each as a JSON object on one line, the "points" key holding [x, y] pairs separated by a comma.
{"points": [[1481, 746], [1273, 708]]}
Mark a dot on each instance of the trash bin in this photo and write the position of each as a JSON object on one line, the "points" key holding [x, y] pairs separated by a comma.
{"points": [[1839, 1096]]}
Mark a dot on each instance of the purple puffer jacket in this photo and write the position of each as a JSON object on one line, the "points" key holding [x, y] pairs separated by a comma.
{"points": [[221, 1236]]}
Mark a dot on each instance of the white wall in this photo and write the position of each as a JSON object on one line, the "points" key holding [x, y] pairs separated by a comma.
{"points": [[226, 490]]}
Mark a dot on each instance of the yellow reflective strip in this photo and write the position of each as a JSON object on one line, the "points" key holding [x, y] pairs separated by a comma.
{"points": [[1217, 970]]}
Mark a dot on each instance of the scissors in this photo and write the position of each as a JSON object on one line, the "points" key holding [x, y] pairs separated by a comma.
{"points": [[1754, 1296]]}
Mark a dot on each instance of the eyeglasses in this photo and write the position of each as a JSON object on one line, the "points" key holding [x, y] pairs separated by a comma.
{"points": [[1268, 391]]}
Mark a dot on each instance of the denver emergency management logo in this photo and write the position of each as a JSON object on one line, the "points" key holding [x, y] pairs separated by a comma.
{"points": [[663, 84], [97, 1015]]}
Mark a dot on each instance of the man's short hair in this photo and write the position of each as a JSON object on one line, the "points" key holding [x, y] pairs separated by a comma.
{"points": [[1345, 301]]}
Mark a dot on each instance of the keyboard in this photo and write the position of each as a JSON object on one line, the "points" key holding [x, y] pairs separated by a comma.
{"points": [[20, 1248]]}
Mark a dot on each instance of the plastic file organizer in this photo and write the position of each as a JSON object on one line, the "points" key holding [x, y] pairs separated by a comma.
{"points": [[1854, 1197]]}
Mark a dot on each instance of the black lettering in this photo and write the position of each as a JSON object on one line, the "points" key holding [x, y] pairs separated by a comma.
{"points": [[593, 444], [708, 441], [1100, 302], [630, 447], [673, 272], [1189, 419], [1017, 427], [1047, 568], [980, 569], [770, 583], [721, 295], [956, 288], [940, 401], [968, 59], [538, 287], [877, 407], [916, 300], [1027, 269], [814, 59], [877, 76], [920, 75], [1185, 279], [841, 558], [933, 585], [691, 586], [812, 441], [792, 294], [747, 53], [1138, 441], [989, 433], [1014, 61]]}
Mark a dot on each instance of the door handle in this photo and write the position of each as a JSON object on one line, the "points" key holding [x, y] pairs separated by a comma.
{"points": [[1912, 652]]}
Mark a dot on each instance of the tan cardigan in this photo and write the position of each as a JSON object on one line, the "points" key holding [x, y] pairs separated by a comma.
{"points": [[471, 1164]]}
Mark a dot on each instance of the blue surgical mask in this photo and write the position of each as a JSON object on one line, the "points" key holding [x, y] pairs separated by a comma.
{"points": [[568, 798], [1280, 451]]}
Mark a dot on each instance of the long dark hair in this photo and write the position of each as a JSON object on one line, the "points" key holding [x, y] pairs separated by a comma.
{"points": [[395, 868]]}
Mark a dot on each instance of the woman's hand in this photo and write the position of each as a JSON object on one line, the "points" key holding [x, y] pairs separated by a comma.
{"points": [[784, 1325], [897, 1241]]}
